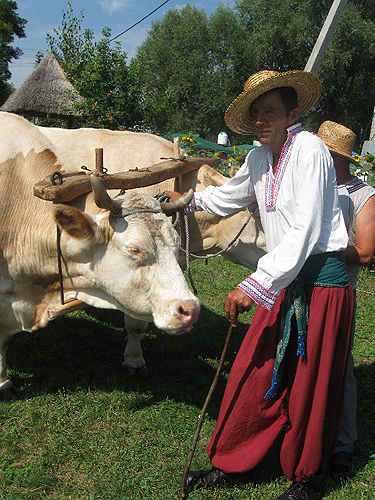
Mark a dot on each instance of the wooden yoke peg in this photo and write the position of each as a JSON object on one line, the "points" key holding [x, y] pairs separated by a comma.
{"points": [[99, 160], [176, 154]]}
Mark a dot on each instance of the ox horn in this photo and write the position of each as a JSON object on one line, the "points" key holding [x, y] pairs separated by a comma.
{"points": [[178, 205], [101, 197]]}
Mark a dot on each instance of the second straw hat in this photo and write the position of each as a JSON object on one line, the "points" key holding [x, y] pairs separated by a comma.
{"points": [[338, 139]]}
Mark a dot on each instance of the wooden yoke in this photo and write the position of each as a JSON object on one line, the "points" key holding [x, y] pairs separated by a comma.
{"points": [[77, 183]]}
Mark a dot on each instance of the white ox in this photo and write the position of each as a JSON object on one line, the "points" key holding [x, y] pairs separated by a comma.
{"points": [[110, 260], [123, 150]]}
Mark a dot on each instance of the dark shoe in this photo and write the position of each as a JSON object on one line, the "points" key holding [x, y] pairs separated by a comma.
{"points": [[212, 478], [303, 491], [341, 465]]}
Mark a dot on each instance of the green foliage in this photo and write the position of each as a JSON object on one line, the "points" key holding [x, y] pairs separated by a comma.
{"points": [[189, 70], [347, 73], [281, 36], [193, 67], [99, 73], [11, 25], [367, 168], [173, 66]]}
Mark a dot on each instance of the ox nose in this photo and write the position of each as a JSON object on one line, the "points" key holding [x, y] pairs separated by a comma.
{"points": [[188, 313]]}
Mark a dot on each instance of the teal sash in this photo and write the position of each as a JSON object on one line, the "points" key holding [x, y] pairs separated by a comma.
{"points": [[326, 270]]}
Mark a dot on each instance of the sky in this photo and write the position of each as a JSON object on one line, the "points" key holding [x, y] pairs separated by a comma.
{"points": [[45, 15]]}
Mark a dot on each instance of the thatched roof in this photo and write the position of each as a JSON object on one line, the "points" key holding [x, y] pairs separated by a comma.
{"points": [[45, 92]]}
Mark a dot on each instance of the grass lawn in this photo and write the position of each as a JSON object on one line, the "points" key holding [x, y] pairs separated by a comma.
{"points": [[85, 430]]}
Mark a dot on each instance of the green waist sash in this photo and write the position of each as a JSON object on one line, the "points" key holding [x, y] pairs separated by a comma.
{"points": [[326, 270]]}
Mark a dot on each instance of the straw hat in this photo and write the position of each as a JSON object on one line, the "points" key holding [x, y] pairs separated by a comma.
{"points": [[338, 139], [306, 84]]}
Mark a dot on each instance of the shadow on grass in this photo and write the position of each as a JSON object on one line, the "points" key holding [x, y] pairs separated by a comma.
{"points": [[365, 448], [85, 351]]}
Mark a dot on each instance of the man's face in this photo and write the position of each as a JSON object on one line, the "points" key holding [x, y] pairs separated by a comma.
{"points": [[271, 120]]}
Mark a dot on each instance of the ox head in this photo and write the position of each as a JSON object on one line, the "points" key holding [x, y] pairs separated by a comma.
{"points": [[125, 257]]}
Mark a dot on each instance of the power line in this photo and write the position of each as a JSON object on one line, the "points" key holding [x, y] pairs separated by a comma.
{"points": [[138, 22]]}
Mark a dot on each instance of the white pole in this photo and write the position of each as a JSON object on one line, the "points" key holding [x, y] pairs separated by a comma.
{"points": [[325, 35]]}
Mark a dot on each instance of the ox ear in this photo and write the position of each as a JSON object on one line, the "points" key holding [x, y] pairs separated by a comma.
{"points": [[74, 222]]}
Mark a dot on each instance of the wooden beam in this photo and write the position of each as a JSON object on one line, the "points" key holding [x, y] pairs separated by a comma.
{"points": [[78, 183], [69, 306]]}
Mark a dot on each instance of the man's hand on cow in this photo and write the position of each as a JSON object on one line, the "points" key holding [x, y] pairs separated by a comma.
{"points": [[237, 302], [173, 195]]}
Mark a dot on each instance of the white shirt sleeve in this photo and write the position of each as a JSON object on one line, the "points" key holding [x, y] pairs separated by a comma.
{"points": [[235, 194]]}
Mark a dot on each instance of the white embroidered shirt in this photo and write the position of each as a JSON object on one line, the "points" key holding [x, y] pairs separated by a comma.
{"points": [[298, 206]]}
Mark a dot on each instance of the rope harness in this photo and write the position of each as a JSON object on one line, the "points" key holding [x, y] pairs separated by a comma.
{"points": [[188, 254]]}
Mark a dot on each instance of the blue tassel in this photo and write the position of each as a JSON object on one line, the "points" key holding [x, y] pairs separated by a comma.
{"points": [[301, 348], [276, 379]]}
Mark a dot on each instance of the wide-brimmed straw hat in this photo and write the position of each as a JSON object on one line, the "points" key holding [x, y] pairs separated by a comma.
{"points": [[338, 139], [306, 84]]}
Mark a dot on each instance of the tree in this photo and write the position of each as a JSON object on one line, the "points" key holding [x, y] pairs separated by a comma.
{"points": [[228, 67], [348, 73], [10, 25], [173, 67], [99, 73], [281, 36]]}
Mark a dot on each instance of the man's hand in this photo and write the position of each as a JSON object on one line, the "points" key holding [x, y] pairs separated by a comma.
{"points": [[237, 302], [174, 195]]}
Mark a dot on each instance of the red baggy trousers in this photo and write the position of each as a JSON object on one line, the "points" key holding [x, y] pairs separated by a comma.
{"points": [[311, 395]]}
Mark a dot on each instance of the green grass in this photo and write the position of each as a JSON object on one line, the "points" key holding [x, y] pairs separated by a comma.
{"points": [[85, 430]]}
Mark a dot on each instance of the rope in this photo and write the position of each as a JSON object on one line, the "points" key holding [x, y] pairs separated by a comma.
{"points": [[211, 256], [138, 211], [135, 24], [187, 253]]}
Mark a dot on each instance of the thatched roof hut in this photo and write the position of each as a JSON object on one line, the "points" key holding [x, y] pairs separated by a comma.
{"points": [[46, 92]]}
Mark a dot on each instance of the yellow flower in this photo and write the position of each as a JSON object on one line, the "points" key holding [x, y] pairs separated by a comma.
{"points": [[234, 149], [356, 157]]}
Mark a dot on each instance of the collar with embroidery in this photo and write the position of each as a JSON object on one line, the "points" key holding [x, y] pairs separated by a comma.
{"points": [[273, 182]]}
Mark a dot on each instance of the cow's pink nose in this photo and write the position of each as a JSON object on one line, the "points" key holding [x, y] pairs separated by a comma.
{"points": [[189, 314]]}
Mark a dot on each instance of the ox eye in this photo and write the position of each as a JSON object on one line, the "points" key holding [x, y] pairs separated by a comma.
{"points": [[134, 250]]}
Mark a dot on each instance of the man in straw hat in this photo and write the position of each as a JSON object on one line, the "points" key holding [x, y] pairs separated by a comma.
{"points": [[289, 374], [357, 201]]}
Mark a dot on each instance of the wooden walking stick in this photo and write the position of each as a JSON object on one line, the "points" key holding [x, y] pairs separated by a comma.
{"points": [[183, 494]]}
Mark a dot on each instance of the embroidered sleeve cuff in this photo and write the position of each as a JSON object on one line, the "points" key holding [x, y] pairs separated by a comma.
{"points": [[259, 294], [192, 207]]}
